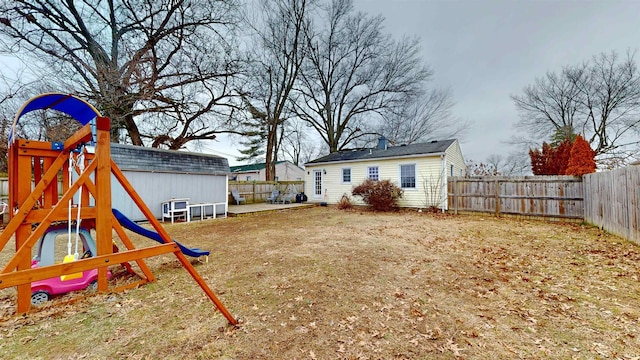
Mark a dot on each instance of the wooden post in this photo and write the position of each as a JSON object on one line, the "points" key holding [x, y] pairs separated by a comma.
{"points": [[455, 195], [497, 190], [103, 200], [23, 231]]}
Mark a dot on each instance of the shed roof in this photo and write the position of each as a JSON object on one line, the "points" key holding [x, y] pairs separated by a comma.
{"points": [[431, 148], [251, 167], [139, 158]]}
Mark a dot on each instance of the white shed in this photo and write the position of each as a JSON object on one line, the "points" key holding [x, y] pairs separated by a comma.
{"points": [[158, 175]]}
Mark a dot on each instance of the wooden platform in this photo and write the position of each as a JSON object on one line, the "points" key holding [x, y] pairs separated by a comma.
{"points": [[249, 209]]}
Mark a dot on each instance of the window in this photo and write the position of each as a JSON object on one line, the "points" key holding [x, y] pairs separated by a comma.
{"points": [[451, 172], [408, 176], [346, 175], [373, 173], [248, 178]]}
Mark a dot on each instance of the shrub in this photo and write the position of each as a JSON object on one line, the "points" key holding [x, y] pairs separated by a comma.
{"points": [[380, 195], [345, 203]]}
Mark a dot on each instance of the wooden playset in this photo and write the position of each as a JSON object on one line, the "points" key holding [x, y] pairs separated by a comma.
{"points": [[35, 203]]}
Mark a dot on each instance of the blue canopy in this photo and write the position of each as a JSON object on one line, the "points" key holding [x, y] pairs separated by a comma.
{"points": [[75, 107]]}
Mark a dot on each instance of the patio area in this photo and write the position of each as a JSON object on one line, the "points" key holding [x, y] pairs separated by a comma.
{"points": [[243, 210]]}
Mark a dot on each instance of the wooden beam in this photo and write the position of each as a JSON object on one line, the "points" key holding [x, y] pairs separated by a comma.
{"points": [[129, 245], [83, 135], [33, 145], [167, 239], [46, 272], [62, 214]]}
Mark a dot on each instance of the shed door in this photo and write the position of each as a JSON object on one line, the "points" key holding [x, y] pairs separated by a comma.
{"points": [[317, 184]]}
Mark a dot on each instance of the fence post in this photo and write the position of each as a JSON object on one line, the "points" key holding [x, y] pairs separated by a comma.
{"points": [[496, 185], [455, 195]]}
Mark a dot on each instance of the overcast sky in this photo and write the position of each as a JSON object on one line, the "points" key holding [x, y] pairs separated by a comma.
{"points": [[487, 50]]}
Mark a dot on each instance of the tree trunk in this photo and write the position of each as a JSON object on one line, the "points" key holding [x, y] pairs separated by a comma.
{"points": [[270, 155]]}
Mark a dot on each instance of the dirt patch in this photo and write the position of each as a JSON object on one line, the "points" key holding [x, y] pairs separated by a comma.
{"points": [[327, 284]]}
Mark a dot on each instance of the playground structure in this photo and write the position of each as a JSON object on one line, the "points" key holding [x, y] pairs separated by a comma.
{"points": [[34, 208]]}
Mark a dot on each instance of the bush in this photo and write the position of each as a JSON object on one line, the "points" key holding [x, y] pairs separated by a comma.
{"points": [[380, 195], [345, 203]]}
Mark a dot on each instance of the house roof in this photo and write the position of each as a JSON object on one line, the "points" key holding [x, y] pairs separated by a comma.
{"points": [[251, 167], [430, 148]]}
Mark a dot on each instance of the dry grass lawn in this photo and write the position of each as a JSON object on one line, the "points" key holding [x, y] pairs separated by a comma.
{"points": [[322, 283]]}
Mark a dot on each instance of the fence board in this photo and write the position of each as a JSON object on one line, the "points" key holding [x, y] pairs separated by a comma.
{"points": [[259, 191], [542, 196], [612, 200]]}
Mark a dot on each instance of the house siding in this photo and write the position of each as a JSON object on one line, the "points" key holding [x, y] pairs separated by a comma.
{"points": [[454, 156], [285, 171], [427, 169], [431, 177]]}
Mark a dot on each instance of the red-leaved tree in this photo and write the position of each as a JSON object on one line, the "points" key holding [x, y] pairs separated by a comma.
{"points": [[542, 161], [551, 160], [561, 156], [582, 159]]}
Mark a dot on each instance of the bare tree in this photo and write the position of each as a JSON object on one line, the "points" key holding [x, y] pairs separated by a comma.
{"points": [[599, 99], [425, 117], [516, 164], [12, 94], [162, 70], [434, 194], [278, 51], [353, 72], [297, 144]]}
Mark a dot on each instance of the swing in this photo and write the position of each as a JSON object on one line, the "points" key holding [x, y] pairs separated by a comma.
{"points": [[73, 257]]}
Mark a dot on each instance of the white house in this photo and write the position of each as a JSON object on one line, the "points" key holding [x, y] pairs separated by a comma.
{"points": [[421, 170], [285, 171]]}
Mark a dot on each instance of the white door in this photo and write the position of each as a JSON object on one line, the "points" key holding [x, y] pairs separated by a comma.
{"points": [[317, 184]]}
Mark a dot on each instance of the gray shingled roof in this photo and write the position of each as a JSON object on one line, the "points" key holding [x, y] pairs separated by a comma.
{"points": [[149, 159], [251, 167], [433, 147]]}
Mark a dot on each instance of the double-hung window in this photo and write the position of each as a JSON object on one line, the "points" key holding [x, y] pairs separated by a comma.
{"points": [[346, 175], [408, 176], [373, 173]]}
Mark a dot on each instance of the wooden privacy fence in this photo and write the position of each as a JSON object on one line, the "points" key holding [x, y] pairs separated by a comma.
{"points": [[259, 191], [539, 196], [612, 199]]}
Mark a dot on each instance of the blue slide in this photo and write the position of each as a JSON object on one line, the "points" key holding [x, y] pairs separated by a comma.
{"points": [[131, 225]]}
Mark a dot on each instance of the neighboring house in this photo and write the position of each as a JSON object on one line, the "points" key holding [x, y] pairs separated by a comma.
{"points": [[158, 175], [285, 171], [421, 170]]}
